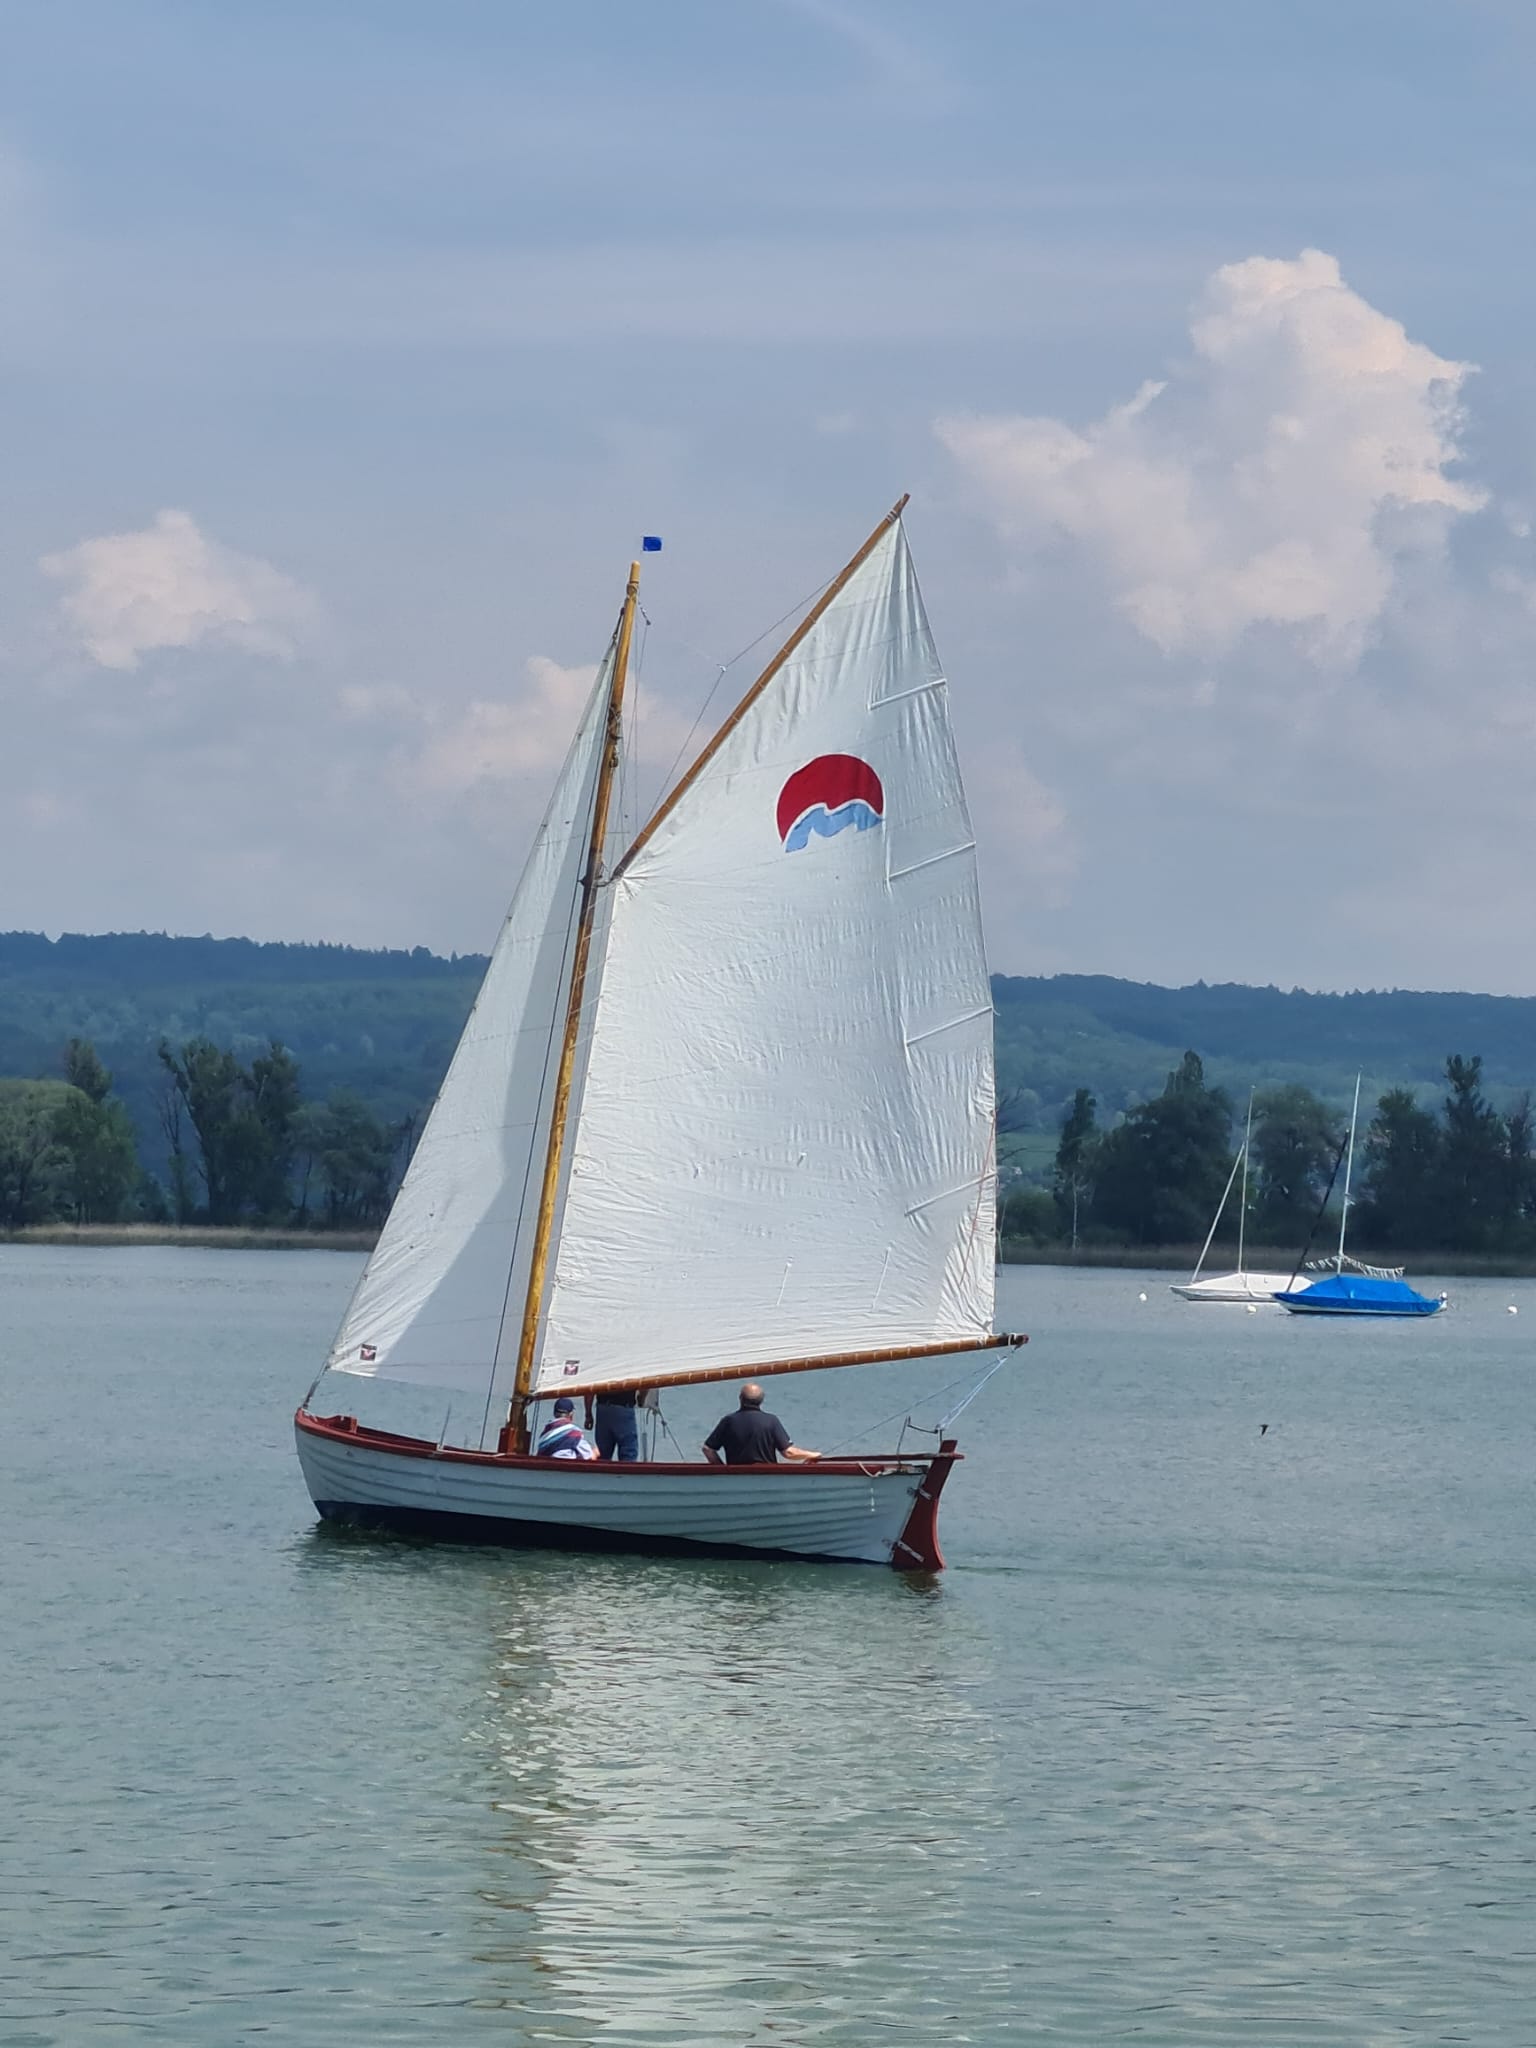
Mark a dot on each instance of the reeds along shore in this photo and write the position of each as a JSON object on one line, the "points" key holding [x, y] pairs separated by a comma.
{"points": [[1174, 1258], [1180, 1258], [194, 1236]]}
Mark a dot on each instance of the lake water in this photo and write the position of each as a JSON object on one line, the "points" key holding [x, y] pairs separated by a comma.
{"points": [[1208, 1735]]}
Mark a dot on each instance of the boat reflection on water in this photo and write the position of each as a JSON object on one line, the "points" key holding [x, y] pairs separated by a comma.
{"points": [[725, 1793]]}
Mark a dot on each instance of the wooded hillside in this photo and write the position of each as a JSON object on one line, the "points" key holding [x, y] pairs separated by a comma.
{"points": [[383, 1024]]}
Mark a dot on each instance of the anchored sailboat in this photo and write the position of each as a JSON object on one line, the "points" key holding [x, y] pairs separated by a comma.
{"points": [[723, 1108], [1241, 1286], [1350, 1288]]}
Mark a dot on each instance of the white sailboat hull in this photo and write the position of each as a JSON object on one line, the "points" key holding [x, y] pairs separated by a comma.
{"points": [[1231, 1287], [856, 1511]]}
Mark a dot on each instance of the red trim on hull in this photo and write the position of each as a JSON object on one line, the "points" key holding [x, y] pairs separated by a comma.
{"points": [[917, 1547], [348, 1430]]}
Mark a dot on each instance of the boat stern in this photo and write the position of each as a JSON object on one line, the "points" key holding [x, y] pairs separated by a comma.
{"points": [[916, 1549]]}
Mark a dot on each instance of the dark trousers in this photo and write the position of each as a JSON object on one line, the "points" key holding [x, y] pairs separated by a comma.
{"points": [[617, 1433]]}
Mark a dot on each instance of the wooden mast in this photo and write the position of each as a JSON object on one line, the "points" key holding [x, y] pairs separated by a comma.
{"points": [[514, 1435], [827, 597]]}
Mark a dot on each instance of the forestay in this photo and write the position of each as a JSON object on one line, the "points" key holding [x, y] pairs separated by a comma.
{"points": [[441, 1300], [784, 1147]]}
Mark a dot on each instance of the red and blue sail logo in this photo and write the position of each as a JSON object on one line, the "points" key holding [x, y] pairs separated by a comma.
{"points": [[827, 795]]}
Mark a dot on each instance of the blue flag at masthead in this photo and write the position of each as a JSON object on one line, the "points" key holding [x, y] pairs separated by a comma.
{"points": [[650, 543]]}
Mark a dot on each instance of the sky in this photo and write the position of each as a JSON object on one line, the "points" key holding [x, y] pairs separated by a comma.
{"points": [[348, 347]]}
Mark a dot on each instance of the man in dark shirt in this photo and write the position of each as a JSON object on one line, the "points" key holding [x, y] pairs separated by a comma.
{"points": [[751, 1437]]}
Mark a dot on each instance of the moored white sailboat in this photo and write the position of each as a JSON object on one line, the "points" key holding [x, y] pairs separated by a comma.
{"points": [[1239, 1286], [723, 1109]]}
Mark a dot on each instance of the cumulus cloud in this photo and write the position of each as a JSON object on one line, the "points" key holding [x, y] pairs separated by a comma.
{"points": [[1279, 478], [503, 740], [167, 586], [497, 741], [1028, 835]]}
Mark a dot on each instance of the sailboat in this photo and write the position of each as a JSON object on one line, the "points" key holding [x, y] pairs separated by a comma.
{"points": [[723, 1109], [1241, 1286], [1352, 1289]]}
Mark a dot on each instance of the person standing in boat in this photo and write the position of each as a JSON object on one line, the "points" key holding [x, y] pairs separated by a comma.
{"points": [[561, 1436], [612, 1419], [751, 1436]]}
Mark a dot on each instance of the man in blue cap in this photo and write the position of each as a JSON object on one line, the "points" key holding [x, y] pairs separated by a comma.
{"points": [[561, 1436]]}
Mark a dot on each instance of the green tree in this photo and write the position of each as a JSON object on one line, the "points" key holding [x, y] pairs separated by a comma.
{"points": [[208, 1079], [1161, 1172], [272, 1090], [83, 1070], [352, 1155], [1030, 1214], [99, 1169], [181, 1200], [1072, 1180], [1295, 1144], [30, 1153], [1520, 1194], [1472, 1180], [245, 1122], [1402, 1169]]}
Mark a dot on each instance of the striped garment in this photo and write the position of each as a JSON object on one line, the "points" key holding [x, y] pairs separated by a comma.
{"points": [[563, 1439]]}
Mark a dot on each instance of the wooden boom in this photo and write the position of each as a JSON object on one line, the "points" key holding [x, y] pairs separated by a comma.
{"points": [[1003, 1341]]}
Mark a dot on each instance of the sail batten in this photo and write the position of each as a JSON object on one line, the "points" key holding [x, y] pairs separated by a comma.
{"points": [[784, 1146]]}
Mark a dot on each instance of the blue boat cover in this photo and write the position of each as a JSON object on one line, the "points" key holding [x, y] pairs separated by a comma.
{"points": [[1358, 1294]]}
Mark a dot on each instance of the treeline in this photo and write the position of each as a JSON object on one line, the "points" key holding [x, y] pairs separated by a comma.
{"points": [[1458, 1178], [242, 1145], [377, 1026], [1120, 1038], [153, 959]]}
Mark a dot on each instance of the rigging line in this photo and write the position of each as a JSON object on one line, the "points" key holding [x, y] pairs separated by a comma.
{"points": [[960, 1406], [722, 671], [629, 757], [1301, 1258], [666, 1430], [632, 723], [898, 1414]]}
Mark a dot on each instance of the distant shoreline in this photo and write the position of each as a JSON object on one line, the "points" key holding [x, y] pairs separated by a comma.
{"points": [[1180, 1258], [1172, 1258], [193, 1237]]}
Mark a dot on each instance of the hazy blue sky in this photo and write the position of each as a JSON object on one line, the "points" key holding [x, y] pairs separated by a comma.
{"points": [[347, 349]]}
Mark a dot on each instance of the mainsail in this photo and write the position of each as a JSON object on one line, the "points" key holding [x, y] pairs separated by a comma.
{"points": [[784, 1144], [441, 1300]]}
